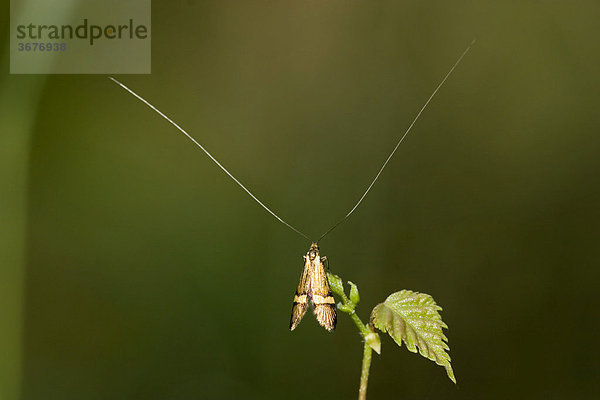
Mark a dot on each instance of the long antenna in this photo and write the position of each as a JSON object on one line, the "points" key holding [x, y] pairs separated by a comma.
{"points": [[209, 155], [400, 141]]}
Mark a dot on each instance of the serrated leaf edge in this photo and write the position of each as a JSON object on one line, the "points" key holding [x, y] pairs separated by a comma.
{"points": [[436, 351]]}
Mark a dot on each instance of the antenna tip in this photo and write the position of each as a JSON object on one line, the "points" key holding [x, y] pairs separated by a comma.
{"points": [[115, 81]]}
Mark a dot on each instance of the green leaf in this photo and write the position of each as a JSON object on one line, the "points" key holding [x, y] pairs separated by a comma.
{"points": [[354, 296], [372, 339], [413, 318], [336, 285]]}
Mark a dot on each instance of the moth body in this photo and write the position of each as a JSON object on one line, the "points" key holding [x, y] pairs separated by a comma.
{"points": [[314, 288]]}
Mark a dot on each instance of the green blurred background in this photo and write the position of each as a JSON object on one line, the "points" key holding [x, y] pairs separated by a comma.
{"points": [[133, 268]]}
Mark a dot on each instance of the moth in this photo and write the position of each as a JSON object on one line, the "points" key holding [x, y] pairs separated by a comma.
{"points": [[313, 288]]}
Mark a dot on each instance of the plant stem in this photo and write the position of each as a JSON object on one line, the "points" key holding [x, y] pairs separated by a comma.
{"points": [[370, 337], [364, 330], [364, 373]]}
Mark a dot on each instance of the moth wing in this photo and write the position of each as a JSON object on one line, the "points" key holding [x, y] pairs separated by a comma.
{"points": [[301, 297], [322, 297]]}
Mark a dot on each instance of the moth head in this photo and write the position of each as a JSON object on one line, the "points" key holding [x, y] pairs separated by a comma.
{"points": [[313, 252]]}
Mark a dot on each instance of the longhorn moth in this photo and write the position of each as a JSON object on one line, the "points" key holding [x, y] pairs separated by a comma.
{"points": [[313, 287]]}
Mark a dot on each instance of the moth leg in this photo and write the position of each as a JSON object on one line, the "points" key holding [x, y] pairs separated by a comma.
{"points": [[325, 262]]}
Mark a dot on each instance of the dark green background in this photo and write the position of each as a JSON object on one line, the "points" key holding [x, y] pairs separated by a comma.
{"points": [[150, 275]]}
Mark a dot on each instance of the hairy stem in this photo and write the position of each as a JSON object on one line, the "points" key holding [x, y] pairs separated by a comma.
{"points": [[370, 338], [364, 373], [364, 330]]}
